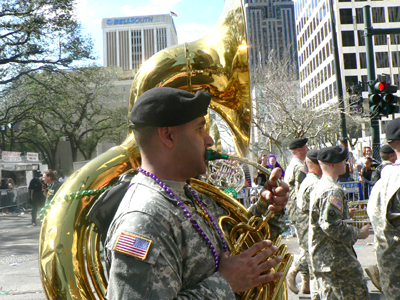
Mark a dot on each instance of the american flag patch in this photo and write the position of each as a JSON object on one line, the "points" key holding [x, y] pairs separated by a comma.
{"points": [[133, 245], [335, 202]]}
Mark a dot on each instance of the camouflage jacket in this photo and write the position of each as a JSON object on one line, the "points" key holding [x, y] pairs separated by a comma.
{"points": [[294, 176], [384, 212], [303, 208], [376, 174], [179, 264], [331, 239]]}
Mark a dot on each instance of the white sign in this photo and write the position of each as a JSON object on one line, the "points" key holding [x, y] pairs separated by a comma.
{"points": [[32, 156], [11, 156]]}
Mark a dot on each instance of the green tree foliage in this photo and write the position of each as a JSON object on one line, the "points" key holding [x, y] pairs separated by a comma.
{"points": [[37, 35], [67, 105]]}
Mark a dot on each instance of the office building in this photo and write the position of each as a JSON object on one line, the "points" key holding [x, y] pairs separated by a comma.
{"points": [[314, 44], [129, 41], [271, 30]]}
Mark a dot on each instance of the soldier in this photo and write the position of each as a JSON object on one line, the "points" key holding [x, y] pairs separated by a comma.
{"points": [[384, 212], [164, 241], [388, 156], [303, 210], [334, 263], [294, 176]]}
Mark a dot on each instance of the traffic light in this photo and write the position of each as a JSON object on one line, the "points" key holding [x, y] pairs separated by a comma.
{"points": [[382, 100]]}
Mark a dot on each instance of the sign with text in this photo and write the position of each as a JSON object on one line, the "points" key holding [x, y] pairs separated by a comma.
{"points": [[11, 156], [32, 156]]}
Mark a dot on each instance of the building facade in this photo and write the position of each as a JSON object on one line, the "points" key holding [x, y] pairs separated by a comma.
{"points": [[129, 41], [271, 30], [314, 44]]}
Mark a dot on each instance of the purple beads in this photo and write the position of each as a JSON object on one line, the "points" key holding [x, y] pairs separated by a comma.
{"points": [[186, 212]]}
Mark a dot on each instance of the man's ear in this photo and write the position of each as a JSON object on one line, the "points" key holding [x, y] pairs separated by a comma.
{"points": [[166, 136]]}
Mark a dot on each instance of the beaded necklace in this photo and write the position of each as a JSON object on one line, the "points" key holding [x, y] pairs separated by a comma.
{"points": [[189, 215]]}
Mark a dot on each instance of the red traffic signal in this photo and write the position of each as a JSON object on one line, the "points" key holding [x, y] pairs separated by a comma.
{"points": [[381, 86]]}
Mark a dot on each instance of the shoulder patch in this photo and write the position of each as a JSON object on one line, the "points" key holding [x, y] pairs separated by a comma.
{"points": [[133, 245], [336, 203], [304, 171]]}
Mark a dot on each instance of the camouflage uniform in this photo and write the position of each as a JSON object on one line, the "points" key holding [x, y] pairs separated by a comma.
{"points": [[179, 264], [384, 212], [294, 175], [376, 174], [303, 210], [331, 241]]}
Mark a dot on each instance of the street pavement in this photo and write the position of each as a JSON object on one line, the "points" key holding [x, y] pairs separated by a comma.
{"points": [[20, 279]]}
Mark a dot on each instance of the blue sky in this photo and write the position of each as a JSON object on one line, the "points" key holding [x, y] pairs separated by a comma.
{"points": [[195, 17]]}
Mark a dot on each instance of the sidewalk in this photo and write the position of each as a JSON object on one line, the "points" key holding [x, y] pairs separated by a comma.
{"points": [[19, 276]]}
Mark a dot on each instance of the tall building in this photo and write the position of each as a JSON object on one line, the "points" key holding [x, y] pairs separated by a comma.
{"points": [[314, 44], [271, 29], [128, 42]]}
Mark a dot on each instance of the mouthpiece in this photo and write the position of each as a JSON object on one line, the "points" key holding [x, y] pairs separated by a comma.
{"points": [[213, 155]]}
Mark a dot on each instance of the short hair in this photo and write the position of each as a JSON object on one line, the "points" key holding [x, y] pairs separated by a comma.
{"points": [[385, 156], [144, 135], [50, 173], [364, 150], [260, 157]]}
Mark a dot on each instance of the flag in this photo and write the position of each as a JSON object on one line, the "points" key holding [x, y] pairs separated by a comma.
{"points": [[173, 14], [133, 245]]}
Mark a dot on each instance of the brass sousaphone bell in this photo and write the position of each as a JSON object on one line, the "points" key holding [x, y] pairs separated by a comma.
{"points": [[69, 249]]}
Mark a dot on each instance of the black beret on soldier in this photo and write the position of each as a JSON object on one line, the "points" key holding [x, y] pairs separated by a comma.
{"points": [[312, 155], [333, 155], [386, 149], [297, 143], [166, 107], [393, 130]]}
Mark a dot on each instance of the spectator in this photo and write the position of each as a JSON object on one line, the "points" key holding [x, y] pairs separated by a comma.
{"points": [[52, 185], [366, 152], [62, 177], [388, 156], [272, 164], [35, 195], [366, 176], [260, 178]]}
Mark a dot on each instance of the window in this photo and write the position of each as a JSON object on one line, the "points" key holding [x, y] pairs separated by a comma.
{"points": [[348, 38], [396, 59], [396, 79], [350, 81], [378, 15], [380, 40], [363, 60], [361, 38], [394, 14], [382, 59], [395, 39], [364, 79], [359, 16], [346, 16], [350, 61]]}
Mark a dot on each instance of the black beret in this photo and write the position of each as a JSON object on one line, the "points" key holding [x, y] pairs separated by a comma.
{"points": [[386, 149], [333, 155], [312, 155], [165, 107], [393, 130], [297, 143]]}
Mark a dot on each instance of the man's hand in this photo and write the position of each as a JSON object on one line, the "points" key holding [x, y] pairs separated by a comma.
{"points": [[352, 211], [365, 230], [276, 196], [243, 271]]}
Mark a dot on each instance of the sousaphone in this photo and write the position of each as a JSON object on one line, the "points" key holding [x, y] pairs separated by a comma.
{"points": [[69, 250]]}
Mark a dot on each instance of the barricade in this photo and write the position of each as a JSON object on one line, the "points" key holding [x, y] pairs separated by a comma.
{"points": [[356, 195], [16, 197]]}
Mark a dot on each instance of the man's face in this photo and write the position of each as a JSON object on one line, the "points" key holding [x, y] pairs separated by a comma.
{"points": [[341, 167], [303, 152], [46, 178], [192, 140]]}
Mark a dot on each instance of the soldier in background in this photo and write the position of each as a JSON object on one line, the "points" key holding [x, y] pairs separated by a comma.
{"points": [[338, 272], [384, 212], [388, 156], [294, 176], [303, 210]]}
